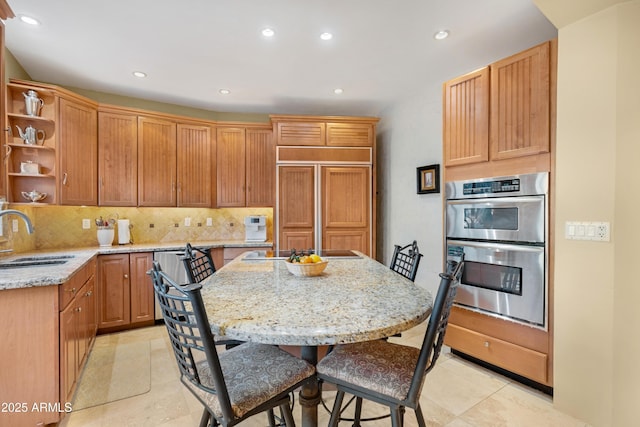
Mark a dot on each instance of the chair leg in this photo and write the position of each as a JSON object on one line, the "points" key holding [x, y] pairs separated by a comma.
{"points": [[358, 413], [204, 420], [335, 412], [288, 416], [396, 420], [271, 417], [420, 417]]}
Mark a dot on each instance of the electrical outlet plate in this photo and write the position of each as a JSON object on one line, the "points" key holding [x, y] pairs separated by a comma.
{"points": [[581, 230], [86, 224], [209, 222], [187, 222]]}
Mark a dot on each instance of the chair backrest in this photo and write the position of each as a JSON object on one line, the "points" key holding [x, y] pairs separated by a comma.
{"points": [[190, 334], [405, 260], [198, 264], [437, 327]]}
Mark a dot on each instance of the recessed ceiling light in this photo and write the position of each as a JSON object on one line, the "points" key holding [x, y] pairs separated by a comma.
{"points": [[441, 35], [29, 20], [326, 36], [268, 32], [338, 91], [224, 91], [139, 74]]}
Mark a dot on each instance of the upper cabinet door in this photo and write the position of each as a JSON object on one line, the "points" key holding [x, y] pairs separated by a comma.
{"points": [[156, 162], [78, 136], [300, 133], [260, 165], [466, 119], [196, 166], [350, 134], [231, 162], [117, 159], [520, 95]]}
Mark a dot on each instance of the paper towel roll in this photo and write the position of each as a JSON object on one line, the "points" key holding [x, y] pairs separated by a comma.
{"points": [[124, 234]]}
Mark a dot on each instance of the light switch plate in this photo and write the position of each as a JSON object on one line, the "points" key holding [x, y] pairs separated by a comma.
{"points": [[582, 230]]}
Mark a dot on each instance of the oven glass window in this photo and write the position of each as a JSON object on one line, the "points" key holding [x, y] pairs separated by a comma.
{"points": [[491, 218], [502, 278]]}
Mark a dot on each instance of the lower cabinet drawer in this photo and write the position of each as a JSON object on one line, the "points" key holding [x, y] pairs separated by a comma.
{"points": [[519, 360]]}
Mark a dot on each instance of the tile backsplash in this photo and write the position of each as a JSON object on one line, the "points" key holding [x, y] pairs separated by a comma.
{"points": [[59, 227]]}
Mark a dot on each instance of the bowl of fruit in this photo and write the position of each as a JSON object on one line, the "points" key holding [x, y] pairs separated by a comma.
{"points": [[305, 265]]}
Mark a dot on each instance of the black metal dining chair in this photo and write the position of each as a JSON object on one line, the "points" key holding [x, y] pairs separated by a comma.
{"points": [[197, 263], [389, 373], [235, 384], [406, 260]]}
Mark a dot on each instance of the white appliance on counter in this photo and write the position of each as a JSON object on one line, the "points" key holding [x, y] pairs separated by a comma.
{"points": [[255, 228]]}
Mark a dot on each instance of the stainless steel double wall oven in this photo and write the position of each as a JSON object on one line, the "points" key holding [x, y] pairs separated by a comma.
{"points": [[501, 225]]}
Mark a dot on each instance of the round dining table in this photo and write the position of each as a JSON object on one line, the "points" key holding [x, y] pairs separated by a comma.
{"points": [[354, 299]]}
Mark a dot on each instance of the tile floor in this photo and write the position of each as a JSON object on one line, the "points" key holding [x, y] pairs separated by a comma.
{"points": [[457, 393]]}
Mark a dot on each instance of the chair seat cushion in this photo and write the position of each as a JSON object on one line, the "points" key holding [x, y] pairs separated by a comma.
{"points": [[253, 373], [379, 366]]}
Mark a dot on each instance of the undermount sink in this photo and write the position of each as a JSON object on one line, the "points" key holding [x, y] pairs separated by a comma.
{"points": [[43, 258], [36, 261]]}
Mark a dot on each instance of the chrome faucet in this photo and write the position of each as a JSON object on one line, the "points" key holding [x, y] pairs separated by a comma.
{"points": [[21, 215]]}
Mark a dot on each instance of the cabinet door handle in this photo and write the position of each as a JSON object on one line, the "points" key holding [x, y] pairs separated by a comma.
{"points": [[88, 294], [486, 344], [72, 290], [126, 276], [79, 309], [64, 179]]}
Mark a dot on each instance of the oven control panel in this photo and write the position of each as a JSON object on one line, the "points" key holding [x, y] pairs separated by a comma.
{"points": [[491, 187]]}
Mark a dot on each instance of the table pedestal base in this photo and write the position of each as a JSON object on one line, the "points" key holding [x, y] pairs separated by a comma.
{"points": [[310, 392]]}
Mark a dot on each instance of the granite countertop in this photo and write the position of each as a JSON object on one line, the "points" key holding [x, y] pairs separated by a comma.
{"points": [[353, 300], [46, 275]]}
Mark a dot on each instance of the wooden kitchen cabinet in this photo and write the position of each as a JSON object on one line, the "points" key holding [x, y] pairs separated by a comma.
{"points": [[296, 207], [502, 111], [323, 131], [518, 348], [45, 347], [66, 153], [195, 165], [125, 292], [117, 158], [78, 152], [520, 96], [245, 167], [466, 119], [346, 207], [326, 182], [156, 162], [77, 327]]}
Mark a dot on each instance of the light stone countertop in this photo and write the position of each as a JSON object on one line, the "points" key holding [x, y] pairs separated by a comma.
{"points": [[354, 299], [47, 275]]}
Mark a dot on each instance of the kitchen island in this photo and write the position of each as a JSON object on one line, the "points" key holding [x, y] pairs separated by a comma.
{"points": [[354, 299]]}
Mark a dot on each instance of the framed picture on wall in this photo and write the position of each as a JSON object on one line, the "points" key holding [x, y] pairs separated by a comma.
{"points": [[428, 179]]}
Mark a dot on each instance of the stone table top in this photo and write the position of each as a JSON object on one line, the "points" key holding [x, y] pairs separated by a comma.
{"points": [[354, 299]]}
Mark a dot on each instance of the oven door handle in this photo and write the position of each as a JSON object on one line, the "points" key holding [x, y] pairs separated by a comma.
{"points": [[497, 200], [496, 246]]}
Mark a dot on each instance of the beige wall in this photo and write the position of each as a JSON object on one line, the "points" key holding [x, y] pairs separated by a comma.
{"points": [[597, 322]]}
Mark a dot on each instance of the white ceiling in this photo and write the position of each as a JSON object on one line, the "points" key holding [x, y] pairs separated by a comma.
{"points": [[382, 50]]}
